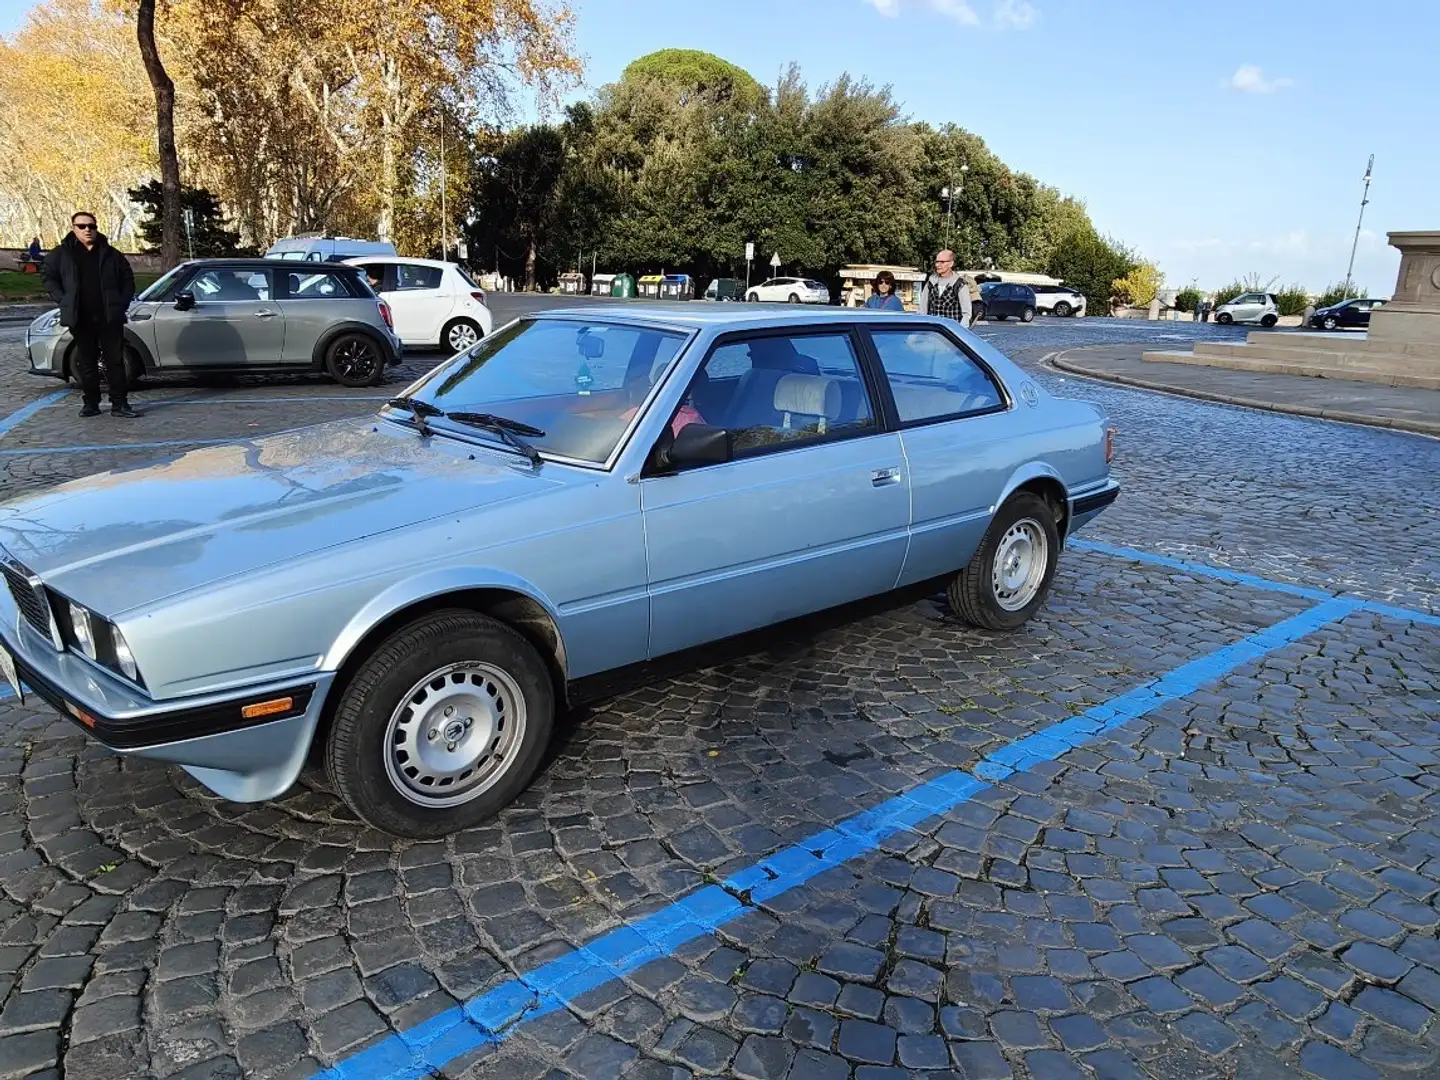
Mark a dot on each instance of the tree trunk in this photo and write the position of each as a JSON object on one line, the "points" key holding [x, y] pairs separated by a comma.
{"points": [[530, 266], [164, 89]]}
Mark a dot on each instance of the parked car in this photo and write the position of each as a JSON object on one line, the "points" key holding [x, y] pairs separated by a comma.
{"points": [[725, 288], [415, 595], [319, 247], [243, 315], [1001, 299], [1059, 300], [792, 290], [1347, 313], [1257, 307], [434, 303]]}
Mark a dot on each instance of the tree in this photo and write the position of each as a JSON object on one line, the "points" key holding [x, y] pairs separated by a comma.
{"points": [[1091, 263], [206, 238], [1139, 285], [517, 194], [164, 90], [1188, 299], [1292, 299], [1337, 292]]}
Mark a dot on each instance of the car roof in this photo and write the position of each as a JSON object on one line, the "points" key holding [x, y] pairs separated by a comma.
{"points": [[263, 264], [358, 259], [712, 317]]}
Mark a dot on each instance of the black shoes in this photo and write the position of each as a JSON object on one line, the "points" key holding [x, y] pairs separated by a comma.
{"points": [[90, 410], [123, 410]]}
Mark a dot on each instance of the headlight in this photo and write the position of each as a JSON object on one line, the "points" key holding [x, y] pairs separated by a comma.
{"points": [[46, 323], [83, 629], [124, 658]]}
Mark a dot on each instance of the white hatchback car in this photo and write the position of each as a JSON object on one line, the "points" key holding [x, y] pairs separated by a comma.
{"points": [[434, 303], [1259, 307], [791, 290]]}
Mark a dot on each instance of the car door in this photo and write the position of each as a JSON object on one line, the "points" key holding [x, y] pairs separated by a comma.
{"points": [[419, 305], [811, 512], [953, 419], [1371, 306], [1247, 307], [315, 299], [1355, 313], [234, 323]]}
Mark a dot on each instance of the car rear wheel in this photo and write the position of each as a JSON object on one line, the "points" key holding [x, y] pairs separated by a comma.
{"points": [[793, 299], [1000, 318], [1330, 322], [1009, 575], [1224, 318], [1268, 321], [460, 334], [354, 360], [1027, 315], [441, 726], [1062, 309]]}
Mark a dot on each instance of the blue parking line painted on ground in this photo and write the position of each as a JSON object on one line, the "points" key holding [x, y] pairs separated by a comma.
{"points": [[220, 399], [489, 1018], [1218, 573], [20, 415], [33, 450]]}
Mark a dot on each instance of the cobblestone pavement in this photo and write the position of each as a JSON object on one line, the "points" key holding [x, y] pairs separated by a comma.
{"points": [[1240, 881]]}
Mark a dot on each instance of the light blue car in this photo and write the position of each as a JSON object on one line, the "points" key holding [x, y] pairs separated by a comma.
{"points": [[413, 596]]}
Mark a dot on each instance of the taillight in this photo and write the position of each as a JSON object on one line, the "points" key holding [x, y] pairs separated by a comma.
{"points": [[478, 295], [1109, 445], [385, 314]]}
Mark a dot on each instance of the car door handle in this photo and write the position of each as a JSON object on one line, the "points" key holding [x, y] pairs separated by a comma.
{"points": [[885, 477], [266, 313]]}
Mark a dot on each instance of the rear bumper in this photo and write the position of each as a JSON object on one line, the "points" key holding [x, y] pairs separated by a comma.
{"points": [[239, 759], [1086, 506]]}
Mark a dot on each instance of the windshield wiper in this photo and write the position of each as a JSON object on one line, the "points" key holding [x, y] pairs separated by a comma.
{"points": [[419, 409], [505, 428]]}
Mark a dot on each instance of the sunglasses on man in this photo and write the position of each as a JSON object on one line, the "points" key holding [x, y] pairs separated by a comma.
{"points": [[86, 225]]}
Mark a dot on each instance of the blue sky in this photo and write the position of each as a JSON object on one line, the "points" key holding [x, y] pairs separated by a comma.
{"points": [[1223, 139]]}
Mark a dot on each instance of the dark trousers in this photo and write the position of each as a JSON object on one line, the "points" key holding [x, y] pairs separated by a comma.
{"points": [[91, 343]]}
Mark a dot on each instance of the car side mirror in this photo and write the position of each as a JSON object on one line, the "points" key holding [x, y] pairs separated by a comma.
{"points": [[697, 444], [184, 301]]}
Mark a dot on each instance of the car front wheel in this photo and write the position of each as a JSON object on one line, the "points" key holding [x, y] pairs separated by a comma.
{"points": [[460, 334], [1330, 322], [1224, 318], [753, 298], [1027, 315], [1062, 309], [442, 726], [354, 360], [1009, 576]]}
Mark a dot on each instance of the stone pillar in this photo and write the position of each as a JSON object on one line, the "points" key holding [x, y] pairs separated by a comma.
{"points": [[1412, 317]]}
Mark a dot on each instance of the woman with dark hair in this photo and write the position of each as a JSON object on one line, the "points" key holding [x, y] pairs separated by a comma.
{"points": [[883, 298]]}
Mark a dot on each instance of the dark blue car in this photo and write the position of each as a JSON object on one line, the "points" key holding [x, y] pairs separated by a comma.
{"points": [[1001, 299]]}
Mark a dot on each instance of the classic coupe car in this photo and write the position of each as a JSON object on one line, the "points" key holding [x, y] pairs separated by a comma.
{"points": [[414, 595]]}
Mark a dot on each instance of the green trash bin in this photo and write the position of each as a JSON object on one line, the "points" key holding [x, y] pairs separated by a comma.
{"points": [[623, 286]]}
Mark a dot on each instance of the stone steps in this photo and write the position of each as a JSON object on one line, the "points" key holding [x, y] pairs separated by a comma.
{"points": [[1303, 361]]}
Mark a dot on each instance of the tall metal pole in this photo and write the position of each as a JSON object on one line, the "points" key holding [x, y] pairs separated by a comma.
{"points": [[1364, 199], [444, 231]]}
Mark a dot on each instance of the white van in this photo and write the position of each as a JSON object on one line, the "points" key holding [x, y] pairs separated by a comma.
{"points": [[318, 247]]}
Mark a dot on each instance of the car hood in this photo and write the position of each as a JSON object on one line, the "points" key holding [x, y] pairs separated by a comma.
{"points": [[120, 540]]}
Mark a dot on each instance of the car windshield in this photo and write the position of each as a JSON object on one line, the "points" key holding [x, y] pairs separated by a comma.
{"points": [[581, 382], [161, 285]]}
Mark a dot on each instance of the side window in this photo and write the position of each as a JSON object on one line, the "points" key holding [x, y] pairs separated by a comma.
{"points": [[239, 285], [374, 274], [932, 377], [415, 276], [319, 285], [775, 391]]}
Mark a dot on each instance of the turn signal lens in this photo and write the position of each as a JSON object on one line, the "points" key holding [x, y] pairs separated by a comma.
{"points": [[1109, 445], [124, 658], [267, 708], [84, 632]]}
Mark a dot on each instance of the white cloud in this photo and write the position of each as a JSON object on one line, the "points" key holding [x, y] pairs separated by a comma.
{"points": [[1249, 79], [1015, 15], [1004, 14]]}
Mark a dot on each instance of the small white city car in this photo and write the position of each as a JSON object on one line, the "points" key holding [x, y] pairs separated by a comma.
{"points": [[435, 304], [1250, 307]]}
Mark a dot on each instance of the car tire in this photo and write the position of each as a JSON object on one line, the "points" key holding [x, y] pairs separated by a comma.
{"points": [[1224, 318], [1001, 318], [1022, 540], [353, 360], [1267, 321], [1027, 315], [134, 367], [752, 298], [1330, 322], [1062, 310], [387, 739], [977, 313], [466, 331], [792, 299]]}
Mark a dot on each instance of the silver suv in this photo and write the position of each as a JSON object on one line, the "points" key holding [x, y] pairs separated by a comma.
{"points": [[244, 315]]}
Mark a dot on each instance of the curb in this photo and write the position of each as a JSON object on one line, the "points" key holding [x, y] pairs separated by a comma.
{"points": [[1413, 427]]}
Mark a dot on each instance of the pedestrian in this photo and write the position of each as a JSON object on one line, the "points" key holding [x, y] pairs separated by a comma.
{"points": [[1204, 310], [33, 254], [883, 298], [94, 286], [945, 292]]}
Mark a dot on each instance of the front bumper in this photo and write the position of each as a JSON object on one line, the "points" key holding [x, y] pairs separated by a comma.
{"points": [[46, 353], [240, 759]]}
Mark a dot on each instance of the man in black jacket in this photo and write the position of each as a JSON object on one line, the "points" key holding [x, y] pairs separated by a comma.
{"points": [[94, 285]]}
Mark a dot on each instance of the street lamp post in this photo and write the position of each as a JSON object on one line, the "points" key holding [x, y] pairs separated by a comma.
{"points": [[949, 194], [1364, 200]]}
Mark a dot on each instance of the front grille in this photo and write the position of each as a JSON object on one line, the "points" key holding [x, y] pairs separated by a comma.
{"points": [[27, 598]]}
